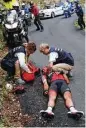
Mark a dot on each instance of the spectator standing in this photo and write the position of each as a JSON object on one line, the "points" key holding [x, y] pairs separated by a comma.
{"points": [[35, 11]]}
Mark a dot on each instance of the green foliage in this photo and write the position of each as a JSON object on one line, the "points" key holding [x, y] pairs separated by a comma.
{"points": [[82, 1], [1, 38], [2, 95], [76, 24], [1, 124]]}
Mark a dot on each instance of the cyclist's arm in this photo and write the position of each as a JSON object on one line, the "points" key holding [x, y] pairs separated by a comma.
{"points": [[45, 83]]}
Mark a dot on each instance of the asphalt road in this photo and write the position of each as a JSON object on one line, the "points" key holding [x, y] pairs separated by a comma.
{"points": [[61, 33]]}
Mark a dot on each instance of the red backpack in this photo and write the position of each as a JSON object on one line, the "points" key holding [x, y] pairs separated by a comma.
{"points": [[28, 77]]}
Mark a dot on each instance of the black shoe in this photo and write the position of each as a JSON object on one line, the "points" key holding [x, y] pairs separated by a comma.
{"points": [[46, 114], [81, 28], [41, 30], [37, 29], [77, 115]]}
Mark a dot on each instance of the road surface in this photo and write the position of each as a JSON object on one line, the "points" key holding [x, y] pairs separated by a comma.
{"points": [[61, 33]]}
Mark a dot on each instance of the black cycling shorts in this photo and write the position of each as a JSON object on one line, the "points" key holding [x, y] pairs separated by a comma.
{"points": [[59, 86]]}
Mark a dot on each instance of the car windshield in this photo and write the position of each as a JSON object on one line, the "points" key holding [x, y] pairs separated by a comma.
{"points": [[47, 7], [12, 14], [11, 17]]}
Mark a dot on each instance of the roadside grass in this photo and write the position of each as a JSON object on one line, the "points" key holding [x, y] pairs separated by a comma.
{"points": [[1, 38], [76, 24], [82, 2], [10, 110], [3, 92]]}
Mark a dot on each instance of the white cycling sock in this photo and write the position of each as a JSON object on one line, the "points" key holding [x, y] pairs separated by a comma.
{"points": [[49, 109], [72, 109]]}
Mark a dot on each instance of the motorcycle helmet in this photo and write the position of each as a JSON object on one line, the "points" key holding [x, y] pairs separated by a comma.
{"points": [[23, 5], [16, 6]]}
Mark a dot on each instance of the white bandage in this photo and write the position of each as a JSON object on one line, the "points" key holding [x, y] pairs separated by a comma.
{"points": [[44, 79]]}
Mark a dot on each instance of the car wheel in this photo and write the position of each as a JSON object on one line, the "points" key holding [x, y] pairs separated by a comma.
{"points": [[52, 15]]}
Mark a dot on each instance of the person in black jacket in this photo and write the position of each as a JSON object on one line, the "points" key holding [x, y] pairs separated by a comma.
{"points": [[15, 62], [79, 12], [59, 59]]}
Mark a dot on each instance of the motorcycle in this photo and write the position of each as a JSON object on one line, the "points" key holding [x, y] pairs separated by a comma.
{"points": [[67, 12], [27, 19], [13, 31]]}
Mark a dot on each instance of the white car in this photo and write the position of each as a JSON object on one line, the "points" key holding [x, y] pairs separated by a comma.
{"points": [[51, 11]]}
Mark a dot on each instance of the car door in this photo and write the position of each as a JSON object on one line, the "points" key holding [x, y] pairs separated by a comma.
{"points": [[59, 10], [53, 9]]}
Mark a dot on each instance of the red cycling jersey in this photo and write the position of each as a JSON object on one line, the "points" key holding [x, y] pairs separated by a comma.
{"points": [[35, 10], [54, 76], [57, 76]]}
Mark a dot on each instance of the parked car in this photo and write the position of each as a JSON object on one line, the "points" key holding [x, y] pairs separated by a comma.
{"points": [[51, 11]]}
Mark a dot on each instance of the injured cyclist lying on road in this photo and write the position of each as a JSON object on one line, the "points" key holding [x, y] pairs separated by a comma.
{"points": [[55, 83]]}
